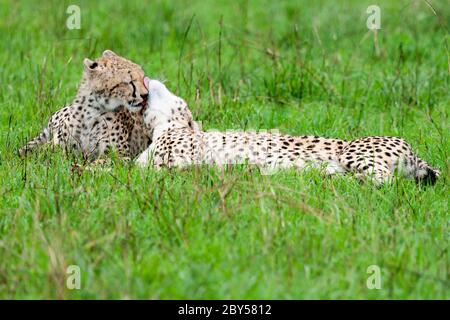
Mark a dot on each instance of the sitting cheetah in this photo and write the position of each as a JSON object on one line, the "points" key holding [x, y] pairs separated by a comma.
{"points": [[178, 143], [106, 113]]}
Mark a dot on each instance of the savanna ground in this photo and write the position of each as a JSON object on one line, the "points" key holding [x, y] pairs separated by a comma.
{"points": [[302, 67]]}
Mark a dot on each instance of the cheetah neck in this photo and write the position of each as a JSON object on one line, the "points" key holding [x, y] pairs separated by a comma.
{"points": [[166, 111], [160, 122]]}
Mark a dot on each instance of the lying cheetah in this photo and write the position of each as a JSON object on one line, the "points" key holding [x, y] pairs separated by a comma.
{"points": [[99, 118], [177, 143]]}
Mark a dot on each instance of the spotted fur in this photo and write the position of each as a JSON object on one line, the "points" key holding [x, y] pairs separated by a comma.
{"points": [[178, 143], [107, 112]]}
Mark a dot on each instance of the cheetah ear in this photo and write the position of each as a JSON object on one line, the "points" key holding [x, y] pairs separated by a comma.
{"points": [[108, 53], [89, 64]]}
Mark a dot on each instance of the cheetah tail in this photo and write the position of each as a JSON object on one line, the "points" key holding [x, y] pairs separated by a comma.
{"points": [[424, 173], [42, 138]]}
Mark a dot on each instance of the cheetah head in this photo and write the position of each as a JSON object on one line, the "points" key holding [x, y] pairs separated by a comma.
{"points": [[112, 81], [165, 108]]}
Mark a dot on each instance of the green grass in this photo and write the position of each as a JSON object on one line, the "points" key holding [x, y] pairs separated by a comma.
{"points": [[303, 67]]}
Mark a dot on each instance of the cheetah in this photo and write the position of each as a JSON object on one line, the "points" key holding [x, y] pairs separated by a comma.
{"points": [[107, 112], [177, 142]]}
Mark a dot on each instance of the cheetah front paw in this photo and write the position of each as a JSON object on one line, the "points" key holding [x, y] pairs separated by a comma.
{"points": [[99, 162], [142, 160]]}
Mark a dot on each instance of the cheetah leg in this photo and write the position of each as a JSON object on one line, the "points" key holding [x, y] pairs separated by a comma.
{"points": [[99, 165], [123, 150], [99, 162], [378, 175], [42, 138], [145, 157], [334, 167]]}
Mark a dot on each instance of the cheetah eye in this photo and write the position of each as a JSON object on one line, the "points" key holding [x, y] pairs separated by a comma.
{"points": [[134, 88], [93, 66]]}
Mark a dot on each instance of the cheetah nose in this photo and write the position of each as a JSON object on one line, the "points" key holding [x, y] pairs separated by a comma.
{"points": [[144, 96]]}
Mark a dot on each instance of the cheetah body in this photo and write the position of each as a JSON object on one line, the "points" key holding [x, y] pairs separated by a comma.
{"points": [[178, 143], [182, 147]]}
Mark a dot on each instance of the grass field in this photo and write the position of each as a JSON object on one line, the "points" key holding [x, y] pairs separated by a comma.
{"points": [[302, 67]]}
